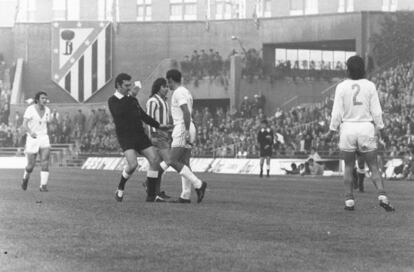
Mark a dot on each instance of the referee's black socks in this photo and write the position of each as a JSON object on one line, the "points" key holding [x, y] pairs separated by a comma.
{"points": [[158, 183], [152, 181], [124, 178]]}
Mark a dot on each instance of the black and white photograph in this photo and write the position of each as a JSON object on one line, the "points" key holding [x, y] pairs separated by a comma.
{"points": [[207, 135]]}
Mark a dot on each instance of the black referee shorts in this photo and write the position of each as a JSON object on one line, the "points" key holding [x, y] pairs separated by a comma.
{"points": [[138, 142], [265, 152]]}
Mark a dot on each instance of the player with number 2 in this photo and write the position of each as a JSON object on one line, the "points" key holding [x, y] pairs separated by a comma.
{"points": [[357, 114]]}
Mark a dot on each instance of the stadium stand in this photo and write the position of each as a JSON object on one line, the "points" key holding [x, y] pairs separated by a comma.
{"points": [[232, 133], [5, 92]]}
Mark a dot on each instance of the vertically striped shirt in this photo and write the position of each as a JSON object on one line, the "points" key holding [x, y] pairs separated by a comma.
{"points": [[158, 109]]}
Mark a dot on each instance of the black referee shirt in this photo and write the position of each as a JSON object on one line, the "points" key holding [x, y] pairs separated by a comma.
{"points": [[128, 116], [263, 139]]}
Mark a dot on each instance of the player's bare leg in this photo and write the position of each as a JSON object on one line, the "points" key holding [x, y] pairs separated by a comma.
{"points": [[360, 173], [132, 164], [31, 162], [154, 159], [371, 160], [176, 155], [261, 166], [268, 166], [186, 183], [349, 158], [44, 164], [165, 156]]}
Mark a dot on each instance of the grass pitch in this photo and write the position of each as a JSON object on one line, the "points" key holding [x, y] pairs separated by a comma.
{"points": [[244, 224]]}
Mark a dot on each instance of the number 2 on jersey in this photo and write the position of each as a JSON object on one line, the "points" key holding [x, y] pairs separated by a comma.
{"points": [[354, 99]]}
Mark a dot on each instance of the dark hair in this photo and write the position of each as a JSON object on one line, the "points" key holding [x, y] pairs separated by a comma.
{"points": [[37, 96], [156, 86], [120, 79], [175, 75], [356, 67], [264, 121]]}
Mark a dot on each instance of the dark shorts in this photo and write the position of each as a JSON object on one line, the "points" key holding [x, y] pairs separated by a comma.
{"points": [[160, 143], [137, 143], [265, 152], [161, 140]]}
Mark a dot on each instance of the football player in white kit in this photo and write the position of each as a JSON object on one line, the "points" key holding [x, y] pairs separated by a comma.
{"points": [[35, 122], [358, 115], [183, 138]]}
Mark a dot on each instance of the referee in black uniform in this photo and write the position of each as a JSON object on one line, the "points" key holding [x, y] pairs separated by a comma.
{"points": [[265, 140], [128, 117]]}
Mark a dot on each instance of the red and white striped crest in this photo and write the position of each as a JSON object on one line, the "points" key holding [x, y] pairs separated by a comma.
{"points": [[81, 57]]}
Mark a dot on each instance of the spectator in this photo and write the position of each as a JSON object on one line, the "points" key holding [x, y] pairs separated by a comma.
{"points": [[245, 108], [315, 168], [294, 169], [92, 120], [80, 121], [18, 119]]}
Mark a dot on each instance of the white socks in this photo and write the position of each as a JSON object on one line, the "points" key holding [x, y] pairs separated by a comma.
{"points": [[383, 198], [349, 203], [26, 174], [125, 175], [164, 166], [186, 188], [44, 176], [186, 172], [152, 174]]}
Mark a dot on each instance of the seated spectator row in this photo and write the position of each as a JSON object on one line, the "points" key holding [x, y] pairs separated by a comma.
{"points": [[233, 133]]}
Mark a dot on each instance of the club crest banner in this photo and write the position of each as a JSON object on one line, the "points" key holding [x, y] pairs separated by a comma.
{"points": [[81, 57]]}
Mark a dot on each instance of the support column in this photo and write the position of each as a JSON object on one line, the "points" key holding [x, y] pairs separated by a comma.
{"points": [[234, 85]]}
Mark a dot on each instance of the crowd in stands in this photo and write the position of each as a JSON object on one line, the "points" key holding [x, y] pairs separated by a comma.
{"points": [[312, 70], [212, 65], [395, 88], [91, 133], [205, 64], [301, 129], [6, 132], [233, 133]]}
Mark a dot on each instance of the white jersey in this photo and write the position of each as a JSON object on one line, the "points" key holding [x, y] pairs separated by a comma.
{"points": [[180, 97], [356, 101], [36, 123]]}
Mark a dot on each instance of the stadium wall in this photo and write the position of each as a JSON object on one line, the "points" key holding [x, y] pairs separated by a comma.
{"points": [[6, 44], [139, 47]]}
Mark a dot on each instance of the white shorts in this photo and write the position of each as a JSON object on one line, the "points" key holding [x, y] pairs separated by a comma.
{"points": [[357, 136], [178, 136], [33, 145]]}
